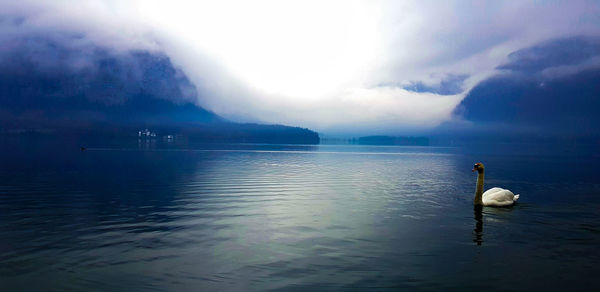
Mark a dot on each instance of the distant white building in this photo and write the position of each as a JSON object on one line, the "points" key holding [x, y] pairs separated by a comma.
{"points": [[145, 133]]}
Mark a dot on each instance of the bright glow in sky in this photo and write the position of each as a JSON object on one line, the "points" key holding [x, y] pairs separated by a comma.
{"points": [[299, 49]]}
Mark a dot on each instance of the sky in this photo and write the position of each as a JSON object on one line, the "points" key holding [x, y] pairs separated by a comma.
{"points": [[384, 67]]}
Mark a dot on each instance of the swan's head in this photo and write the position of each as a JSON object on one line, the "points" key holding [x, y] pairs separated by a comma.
{"points": [[478, 167]]}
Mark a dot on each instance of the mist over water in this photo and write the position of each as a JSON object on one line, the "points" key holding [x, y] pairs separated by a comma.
{"points": [[270, 217]]}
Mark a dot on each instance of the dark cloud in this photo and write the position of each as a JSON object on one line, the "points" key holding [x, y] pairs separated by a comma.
{"points": [[452, 84], [71, 67], [13, 20]]}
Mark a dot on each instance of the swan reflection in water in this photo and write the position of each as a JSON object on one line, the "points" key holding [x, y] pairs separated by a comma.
{"points": [[497, 215], [478, 231]]}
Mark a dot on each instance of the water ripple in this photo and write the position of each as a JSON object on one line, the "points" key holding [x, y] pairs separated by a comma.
{"points": [[244, 219]]}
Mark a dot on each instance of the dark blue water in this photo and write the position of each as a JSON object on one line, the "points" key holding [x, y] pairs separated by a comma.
{"points": [[281, 217]]}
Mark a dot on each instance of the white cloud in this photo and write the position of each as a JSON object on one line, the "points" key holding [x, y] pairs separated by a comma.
{"points": [[565, 70]]}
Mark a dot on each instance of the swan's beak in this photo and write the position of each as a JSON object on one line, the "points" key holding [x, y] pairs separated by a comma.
{"points": [[473, 170]]}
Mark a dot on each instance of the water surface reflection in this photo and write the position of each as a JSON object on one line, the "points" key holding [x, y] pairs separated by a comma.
{"points": [[478, 211], [263, 217]]}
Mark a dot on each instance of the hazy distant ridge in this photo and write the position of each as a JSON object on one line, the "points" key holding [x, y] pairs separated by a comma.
{"points": [[391, 140]]}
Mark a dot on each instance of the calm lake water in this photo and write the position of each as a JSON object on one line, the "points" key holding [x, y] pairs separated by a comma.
{"points": [[282, 217]]}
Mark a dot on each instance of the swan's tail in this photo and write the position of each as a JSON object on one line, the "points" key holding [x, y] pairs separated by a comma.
{"points": [[516, 198]]}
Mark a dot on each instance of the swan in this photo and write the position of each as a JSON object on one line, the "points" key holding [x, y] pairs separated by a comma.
{"points": [[495, 197]]}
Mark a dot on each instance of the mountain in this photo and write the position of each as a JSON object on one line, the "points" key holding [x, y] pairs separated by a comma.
{"points": [[65, 84], [393, 140], [549, 90]]}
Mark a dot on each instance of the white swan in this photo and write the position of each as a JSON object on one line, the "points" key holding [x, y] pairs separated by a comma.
{"points": [[495, 197]]}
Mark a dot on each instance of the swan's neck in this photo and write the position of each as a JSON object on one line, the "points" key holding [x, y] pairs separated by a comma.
{"points": [[479, 190]]}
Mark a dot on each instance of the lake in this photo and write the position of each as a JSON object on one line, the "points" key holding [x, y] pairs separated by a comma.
{"points": [[148, 216]]}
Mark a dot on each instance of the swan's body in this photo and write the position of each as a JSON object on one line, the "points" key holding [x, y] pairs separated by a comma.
{"points": [[495, 197], [499, 197]]}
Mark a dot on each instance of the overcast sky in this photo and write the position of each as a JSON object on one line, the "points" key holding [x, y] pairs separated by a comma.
{"points": [[333, 66]]}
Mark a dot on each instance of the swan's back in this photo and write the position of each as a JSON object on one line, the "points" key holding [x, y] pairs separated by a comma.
{"points": [[499, 197]]}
